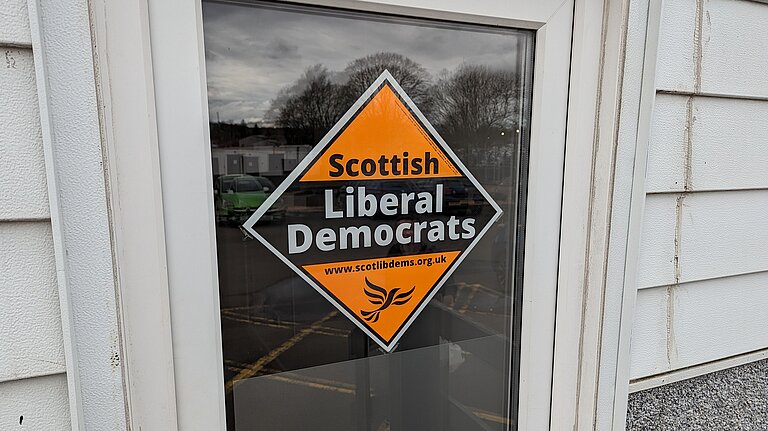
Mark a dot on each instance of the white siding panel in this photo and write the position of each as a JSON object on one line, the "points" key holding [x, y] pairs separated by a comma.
{"points": [[733, 42], [30, 327], [735, 52], [35, 404], [730, 142], [23, 192], [649, 334], [729, 147], [721, 234], [675, 63], [707, 320], [14, 23], [657, 242], [666, 145], [724, 233]]}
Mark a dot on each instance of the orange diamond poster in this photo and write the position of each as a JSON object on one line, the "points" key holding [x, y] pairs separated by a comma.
{"points": [[389, 213]]}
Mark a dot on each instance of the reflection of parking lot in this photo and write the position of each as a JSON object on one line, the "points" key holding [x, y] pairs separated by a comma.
{"points": [[274, 322]]}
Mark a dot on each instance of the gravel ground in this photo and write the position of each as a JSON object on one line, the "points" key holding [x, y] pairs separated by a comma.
{"points": [[732, 399]]}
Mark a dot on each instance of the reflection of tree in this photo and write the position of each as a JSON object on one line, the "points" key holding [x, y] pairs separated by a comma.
{"points": [[414, 79], [476, 99], [310, 107], [476, 109], [229, 135]]}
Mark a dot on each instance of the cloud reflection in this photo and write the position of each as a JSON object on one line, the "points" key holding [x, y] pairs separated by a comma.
{"points": [[254, 51]]}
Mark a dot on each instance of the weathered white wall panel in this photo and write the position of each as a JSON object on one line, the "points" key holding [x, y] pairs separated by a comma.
{"points": [[62, 43], [675, 62], [33, 388], [720, 234], [730, 141], [728, 144], [723, 234], [734, 57], [728, 43], [694, 323], [36, 404], [23, 192], [649, 333], [14, 23], [30, 327], [666, 145], [656, 264], [703, 261]]}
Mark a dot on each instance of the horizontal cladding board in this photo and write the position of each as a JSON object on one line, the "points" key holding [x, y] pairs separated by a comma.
{"points": [[733, 44], [30, 326], [728, 144], [721, 234], [14, 23], [23, 190], [667, 144], [40, 403], [699, 322], [674, 69], [656, 264], [648, 351]]}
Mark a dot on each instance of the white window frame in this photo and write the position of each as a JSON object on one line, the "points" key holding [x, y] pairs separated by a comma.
{"points": [[160, 44]]}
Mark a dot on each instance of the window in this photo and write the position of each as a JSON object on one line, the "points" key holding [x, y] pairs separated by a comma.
{"points": [[279, 79]]}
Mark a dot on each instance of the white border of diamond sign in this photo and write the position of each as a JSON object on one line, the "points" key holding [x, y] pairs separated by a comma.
{"points": [[310, 158]]}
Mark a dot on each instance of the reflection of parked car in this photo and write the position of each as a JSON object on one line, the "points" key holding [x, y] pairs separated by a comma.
{"points": [[238, 196]]}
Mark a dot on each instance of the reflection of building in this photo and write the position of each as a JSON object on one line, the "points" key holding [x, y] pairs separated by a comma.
{"points": [[257, 160]]}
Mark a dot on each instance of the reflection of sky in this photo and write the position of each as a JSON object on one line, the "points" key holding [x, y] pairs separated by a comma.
{"points": [[253, 52]]}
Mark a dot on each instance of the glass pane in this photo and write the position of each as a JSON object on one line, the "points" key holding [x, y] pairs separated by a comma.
{"points": [[280, 77]]}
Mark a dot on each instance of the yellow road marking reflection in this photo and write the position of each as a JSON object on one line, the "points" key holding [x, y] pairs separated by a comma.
{"points": [[255, 367]]}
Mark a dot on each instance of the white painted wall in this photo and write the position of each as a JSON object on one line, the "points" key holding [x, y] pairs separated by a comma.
{"points": [[14, 30], [37, 404], [33, 385], [703, 265], [82, 233]]}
